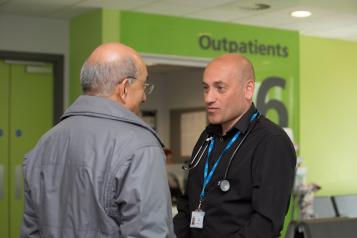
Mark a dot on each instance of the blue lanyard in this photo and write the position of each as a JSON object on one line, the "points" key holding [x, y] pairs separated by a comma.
{"points": [[207, 178], [254, 116]]}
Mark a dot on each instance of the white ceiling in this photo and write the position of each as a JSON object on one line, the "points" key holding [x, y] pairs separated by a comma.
{"points": [[330, 19]]}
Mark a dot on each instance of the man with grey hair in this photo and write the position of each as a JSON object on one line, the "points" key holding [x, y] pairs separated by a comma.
{"points": [[101, 171]]}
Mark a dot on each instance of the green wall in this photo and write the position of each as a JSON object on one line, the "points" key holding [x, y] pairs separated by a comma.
{"points": [[274, 53], [86, 33], [328, 103]]}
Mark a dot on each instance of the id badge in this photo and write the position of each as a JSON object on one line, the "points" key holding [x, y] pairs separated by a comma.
{"points": [[197, 219]]}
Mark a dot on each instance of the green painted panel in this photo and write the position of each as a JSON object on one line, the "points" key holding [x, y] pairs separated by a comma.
{"points": [[182, 36], [327, 113], [4, 148], [274, 53], [110, 25], [31, 115], [85, 36]]}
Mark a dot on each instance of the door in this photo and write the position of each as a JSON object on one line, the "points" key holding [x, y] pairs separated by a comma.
{"points": [[30, 114], [4, 149]]}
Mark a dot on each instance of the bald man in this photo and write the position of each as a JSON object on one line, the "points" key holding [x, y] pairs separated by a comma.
{"points": [[242, 167], [100, 172]]}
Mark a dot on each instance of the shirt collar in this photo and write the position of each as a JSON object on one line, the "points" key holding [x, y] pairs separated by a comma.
{"points": [[242, 125]]}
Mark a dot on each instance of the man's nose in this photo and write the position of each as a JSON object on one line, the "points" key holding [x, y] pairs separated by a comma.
{"points": [[209, 96]]}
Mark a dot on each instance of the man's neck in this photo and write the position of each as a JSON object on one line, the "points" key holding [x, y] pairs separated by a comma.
{"points": [[228, 125]]}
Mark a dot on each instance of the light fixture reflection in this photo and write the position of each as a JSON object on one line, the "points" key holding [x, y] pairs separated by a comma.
{"points": [[300, 13]]}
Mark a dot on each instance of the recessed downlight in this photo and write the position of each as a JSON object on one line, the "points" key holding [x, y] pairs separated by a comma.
{"points": [[300, 14]]}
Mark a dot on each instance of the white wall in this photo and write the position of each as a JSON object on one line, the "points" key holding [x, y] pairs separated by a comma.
{"points": [[36, 35], [156, 102], [173, 90], [183, 89]]}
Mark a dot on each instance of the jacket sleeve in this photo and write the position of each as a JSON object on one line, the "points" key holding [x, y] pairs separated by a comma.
{"points": [[273, 174], [143, 199], [29, 226]]}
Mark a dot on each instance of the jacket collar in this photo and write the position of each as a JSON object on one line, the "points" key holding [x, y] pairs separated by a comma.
{"points": [[94, 106]]}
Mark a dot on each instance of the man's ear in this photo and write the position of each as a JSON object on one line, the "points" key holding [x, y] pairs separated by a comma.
{"points": [[121, 91], [249, 89]]}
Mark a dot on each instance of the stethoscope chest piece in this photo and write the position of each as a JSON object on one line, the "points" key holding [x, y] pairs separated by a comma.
{"points": [[224, 185]]}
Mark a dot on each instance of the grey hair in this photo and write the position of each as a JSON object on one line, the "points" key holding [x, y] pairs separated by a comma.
{"points": [[100, 78]]}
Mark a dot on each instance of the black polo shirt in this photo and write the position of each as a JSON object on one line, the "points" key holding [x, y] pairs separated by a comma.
{"points": [[261, 176]]}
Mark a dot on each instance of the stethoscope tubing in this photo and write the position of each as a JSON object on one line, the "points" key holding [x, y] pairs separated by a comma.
{"points": [[223, 184], [234, 153], [195, 162]]}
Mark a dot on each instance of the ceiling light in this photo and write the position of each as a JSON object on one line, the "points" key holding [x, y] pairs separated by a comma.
{"points": [[300, 13]]}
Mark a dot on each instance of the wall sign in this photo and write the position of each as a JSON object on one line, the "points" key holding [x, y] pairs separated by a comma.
{"points": [[253, 47], [274, 54]]}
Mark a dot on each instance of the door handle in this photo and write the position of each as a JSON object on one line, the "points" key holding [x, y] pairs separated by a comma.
{"points": [[18, 133], [18, 181], [1, 182]]}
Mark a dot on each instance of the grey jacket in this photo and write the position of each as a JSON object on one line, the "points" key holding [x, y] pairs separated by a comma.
{"points": [[100, 172]]}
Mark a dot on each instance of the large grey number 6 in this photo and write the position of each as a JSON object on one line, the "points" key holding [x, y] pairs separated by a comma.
{"points": [[263, 106]]}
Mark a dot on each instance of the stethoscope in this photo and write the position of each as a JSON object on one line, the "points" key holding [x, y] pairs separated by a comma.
{"points": [[223, 184]]}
